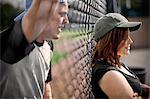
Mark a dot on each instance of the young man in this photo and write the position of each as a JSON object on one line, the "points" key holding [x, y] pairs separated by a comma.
{"points": [[25, 51]]}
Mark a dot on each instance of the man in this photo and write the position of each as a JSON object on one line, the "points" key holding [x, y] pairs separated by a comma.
{"points": [[25, 51]]}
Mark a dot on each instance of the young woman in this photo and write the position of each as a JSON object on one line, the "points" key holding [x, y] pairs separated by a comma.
{"points": [[110, 77]]}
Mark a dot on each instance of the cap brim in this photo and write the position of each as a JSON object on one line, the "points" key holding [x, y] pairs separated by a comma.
{"points": [[19, 17], [133, 26]]}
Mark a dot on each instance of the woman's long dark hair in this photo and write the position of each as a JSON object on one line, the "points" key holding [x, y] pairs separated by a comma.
{"points": [[107, 47]]}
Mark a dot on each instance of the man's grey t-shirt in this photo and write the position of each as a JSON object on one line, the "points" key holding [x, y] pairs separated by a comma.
{"points": [[26, 78], [24, 67]]}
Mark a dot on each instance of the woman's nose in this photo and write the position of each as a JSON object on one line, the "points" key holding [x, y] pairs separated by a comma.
{"points": [[130, 40]]}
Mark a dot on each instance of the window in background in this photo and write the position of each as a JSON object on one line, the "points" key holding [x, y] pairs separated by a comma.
{"points": [[135, 7]]}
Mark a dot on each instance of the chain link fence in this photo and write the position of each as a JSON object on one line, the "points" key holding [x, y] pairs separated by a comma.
{"points": [[72, 73]]}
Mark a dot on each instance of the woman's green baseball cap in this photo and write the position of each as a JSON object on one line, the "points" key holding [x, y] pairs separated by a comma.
{"points": [[110, 21]]}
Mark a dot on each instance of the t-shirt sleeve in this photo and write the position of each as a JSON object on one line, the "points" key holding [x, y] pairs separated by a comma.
{"points": [[13, 43], [49, 77]]}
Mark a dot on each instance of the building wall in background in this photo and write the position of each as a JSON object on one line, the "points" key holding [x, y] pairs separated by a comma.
{"points": [[141, 37]]}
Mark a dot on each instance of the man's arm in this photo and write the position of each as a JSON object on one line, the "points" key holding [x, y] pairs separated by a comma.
{"points": [[35, 19]]}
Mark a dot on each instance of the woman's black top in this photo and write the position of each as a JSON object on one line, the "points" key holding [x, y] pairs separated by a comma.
{"points": [[100, 68]]}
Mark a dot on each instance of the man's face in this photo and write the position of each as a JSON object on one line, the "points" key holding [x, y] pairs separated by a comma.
{"points": [[57, 20]]}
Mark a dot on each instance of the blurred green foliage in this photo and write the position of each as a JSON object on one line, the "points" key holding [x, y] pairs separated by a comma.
{"points": [[58, 56], [7, 15]]}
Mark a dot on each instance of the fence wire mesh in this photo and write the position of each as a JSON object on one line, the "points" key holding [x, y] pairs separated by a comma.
{"points": [[72, 72]]}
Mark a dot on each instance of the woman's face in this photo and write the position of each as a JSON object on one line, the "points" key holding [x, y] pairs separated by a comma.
{"points": [[124, 46]]}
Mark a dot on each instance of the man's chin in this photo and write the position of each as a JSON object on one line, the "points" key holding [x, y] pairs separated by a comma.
{"points": [[57, 37], [53, 37]]}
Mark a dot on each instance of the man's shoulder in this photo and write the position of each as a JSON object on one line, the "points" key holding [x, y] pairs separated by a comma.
{"points": [[4, 34]]}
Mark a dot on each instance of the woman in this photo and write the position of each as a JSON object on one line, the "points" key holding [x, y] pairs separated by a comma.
{"points": [[111, 78]]}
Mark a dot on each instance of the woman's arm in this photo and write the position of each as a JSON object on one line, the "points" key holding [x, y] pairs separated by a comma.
{"points": [[115, 85], [145, 91]]}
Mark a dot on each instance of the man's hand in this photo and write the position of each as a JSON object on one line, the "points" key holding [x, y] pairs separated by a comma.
{"points": [[48, 92], [35, 20]]}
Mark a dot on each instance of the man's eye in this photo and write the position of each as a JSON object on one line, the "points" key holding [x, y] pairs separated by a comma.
{"points": [[62, 14]]}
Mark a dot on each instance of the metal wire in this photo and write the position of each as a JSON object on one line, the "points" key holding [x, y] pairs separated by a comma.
{"points": [[72, 75]]}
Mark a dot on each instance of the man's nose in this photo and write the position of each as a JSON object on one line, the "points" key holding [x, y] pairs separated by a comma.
{"points": [[66, 20]]}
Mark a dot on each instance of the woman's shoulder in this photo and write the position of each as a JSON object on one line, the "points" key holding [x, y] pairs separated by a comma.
{"points": [[102, 66], [113, 75]]}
